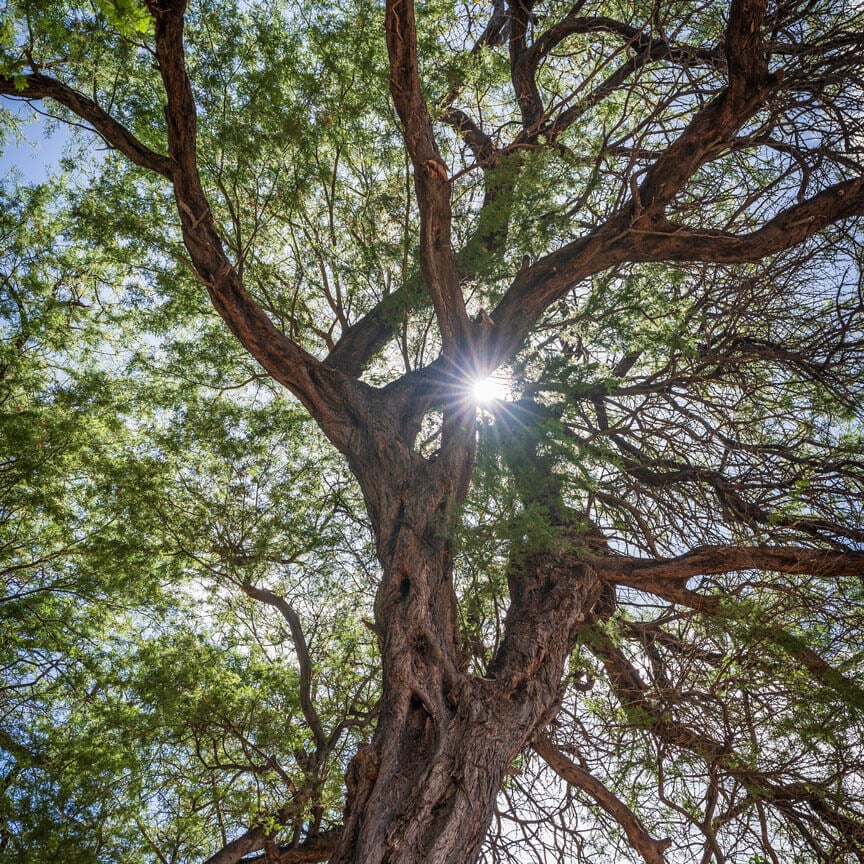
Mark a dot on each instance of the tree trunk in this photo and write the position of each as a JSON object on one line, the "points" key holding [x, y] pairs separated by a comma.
{"points": [[424, 789]]}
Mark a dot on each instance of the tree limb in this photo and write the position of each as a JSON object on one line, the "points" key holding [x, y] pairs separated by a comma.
{"points": [[431, 183], [251, 841], [263, 595], [664, 240], [649, 848], [322, 390], [310, 851], [712, 127], [641, 573], [39, 86]]}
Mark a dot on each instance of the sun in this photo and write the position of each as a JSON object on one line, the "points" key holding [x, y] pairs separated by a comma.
{"points": [[487, 391]]}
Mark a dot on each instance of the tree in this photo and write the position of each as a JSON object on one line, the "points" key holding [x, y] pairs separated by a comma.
{"points": [[626, 592]]}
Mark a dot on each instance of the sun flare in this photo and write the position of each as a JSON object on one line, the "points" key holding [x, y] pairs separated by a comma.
{"points": [[487, 391]]}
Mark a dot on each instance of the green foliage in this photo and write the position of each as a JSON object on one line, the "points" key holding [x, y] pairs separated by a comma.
{"points": [[129, 17], [140, 490]]}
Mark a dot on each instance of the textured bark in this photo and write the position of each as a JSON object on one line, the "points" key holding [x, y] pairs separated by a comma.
{"points": [[40, 86], [425, 787], [431, 183]]}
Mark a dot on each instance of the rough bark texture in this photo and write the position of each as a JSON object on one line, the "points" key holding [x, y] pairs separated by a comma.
{"points": [[424, 789]]}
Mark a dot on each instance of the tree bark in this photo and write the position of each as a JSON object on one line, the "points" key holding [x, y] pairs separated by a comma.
{"points": [[424, 789]]}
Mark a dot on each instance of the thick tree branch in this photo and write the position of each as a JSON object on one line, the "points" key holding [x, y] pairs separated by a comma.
{"points": [[708, 134], [322, 390], [251, 841], [653, 238], [523, 72], [535, 288], [310, 851], [668, 241], [482, 146], [39, 86], [710, 560], [713, 127], [649, 848], [431, 182], [667, 578]]}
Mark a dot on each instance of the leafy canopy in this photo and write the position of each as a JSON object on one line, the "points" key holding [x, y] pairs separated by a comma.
{"points": [[191, 646]]}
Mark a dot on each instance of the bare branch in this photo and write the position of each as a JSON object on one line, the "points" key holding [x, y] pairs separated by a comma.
{"points": [[707, 560], [763, 786], [264, 595]]}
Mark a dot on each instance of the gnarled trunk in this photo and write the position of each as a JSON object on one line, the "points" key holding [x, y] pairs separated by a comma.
{"points": [[424, 789]]}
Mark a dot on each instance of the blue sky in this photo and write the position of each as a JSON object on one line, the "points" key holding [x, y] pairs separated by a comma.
{"points": [[37, 156]]}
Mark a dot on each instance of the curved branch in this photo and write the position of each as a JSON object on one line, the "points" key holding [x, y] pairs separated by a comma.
{"points": [[667, 578], [116, 135], [649, 848], [251, 841], [480, 143], [653, 238], [634, 38], [522, 71], [263, 595], [711, 129], [668, 241], [322, 390], [310, 851], [645, 47]]}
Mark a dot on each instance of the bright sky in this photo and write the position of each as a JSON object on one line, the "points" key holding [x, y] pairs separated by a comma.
{"points": [[37, 156]]}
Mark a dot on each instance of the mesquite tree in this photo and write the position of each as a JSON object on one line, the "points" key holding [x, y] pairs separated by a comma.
{"points": [[618, 605]]}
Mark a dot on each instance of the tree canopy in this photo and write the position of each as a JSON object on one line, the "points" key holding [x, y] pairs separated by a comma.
{"points": [[280, 583]]}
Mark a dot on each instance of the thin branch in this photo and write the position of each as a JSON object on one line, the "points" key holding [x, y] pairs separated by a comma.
{"points": [[263, 595], [763, 786]]}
